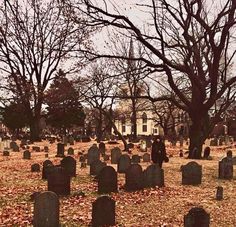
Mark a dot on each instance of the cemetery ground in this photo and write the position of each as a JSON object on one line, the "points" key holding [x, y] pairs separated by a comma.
{"points": [[165, 206]]}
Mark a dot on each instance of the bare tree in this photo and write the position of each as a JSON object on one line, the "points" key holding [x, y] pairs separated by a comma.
{"points": [[35, 38], [190, 41], [99, 91]]}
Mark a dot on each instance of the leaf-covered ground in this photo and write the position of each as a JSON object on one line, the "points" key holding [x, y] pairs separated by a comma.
{"points": [[150, 207]]}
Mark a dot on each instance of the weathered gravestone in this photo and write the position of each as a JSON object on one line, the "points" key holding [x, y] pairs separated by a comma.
{"points": [[115, 155], [206, 154], [102, 148], [191, 174], [69, 164], [60, 150], [123, 163], [134, 178], [103, 212], [59, 181], [35, 167], [47, 168], [197, 217], [219, 193], [146, 157], [93, 154], [153, 176], [226, 168], [46, 210], [107, 180], [70, 151], [96, 166], [135, 159], [26, 154]]}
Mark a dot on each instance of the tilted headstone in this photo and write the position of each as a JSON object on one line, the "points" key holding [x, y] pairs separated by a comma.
{"points": [[103, 212], [135, 159], [59, 181], [46, 210], [192, 174], [47, 169], [219, 193], [60, 150], [96, 167], [134, 178], [146, 157], [26, 154], [102, 148], [123, 163], [93, 154], [226, 169], [35, 167], [70, 151], [107, 180], [115, 155], [69, 164], [197, 217], [153, 176]]}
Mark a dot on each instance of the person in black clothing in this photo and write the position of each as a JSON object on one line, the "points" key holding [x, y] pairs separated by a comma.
{"points": [[158, 153]]}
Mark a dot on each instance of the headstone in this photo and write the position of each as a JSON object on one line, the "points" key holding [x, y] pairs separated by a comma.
{"points": [[47, 168], [69, 164], [35, 167], [148, 142], [135, 159], [229, 154], [46, 149], [82, 158], [219, 193], [26, 154], [36, 148], [197, 217], [106, 157], [214, 142], [71, 140], [153, 176], [191, 174], [14, 146], [134, 178], [103, 212], [59, 181], [102, 148], [226, 168], [123, 163], [207, 151], [107, 180], [115, 155], [60, 150], [70, 151], [146, 157], [6, 153], [96, 167], [93, 154], [46, 210]]}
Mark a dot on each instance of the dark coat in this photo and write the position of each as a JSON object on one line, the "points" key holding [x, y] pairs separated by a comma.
{"points": [[158, 153]]}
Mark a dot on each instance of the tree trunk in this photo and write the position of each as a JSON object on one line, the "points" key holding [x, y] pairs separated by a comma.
{"points": [[134, 120], [35, 129], [198, 132], [99, 131]]}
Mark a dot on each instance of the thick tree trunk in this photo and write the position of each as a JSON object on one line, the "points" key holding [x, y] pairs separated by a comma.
{"points": [[99, 131], [198, 132], [35, 129]]}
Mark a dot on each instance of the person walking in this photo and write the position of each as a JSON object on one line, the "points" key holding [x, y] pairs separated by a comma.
{"points": [[158, 154]]}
